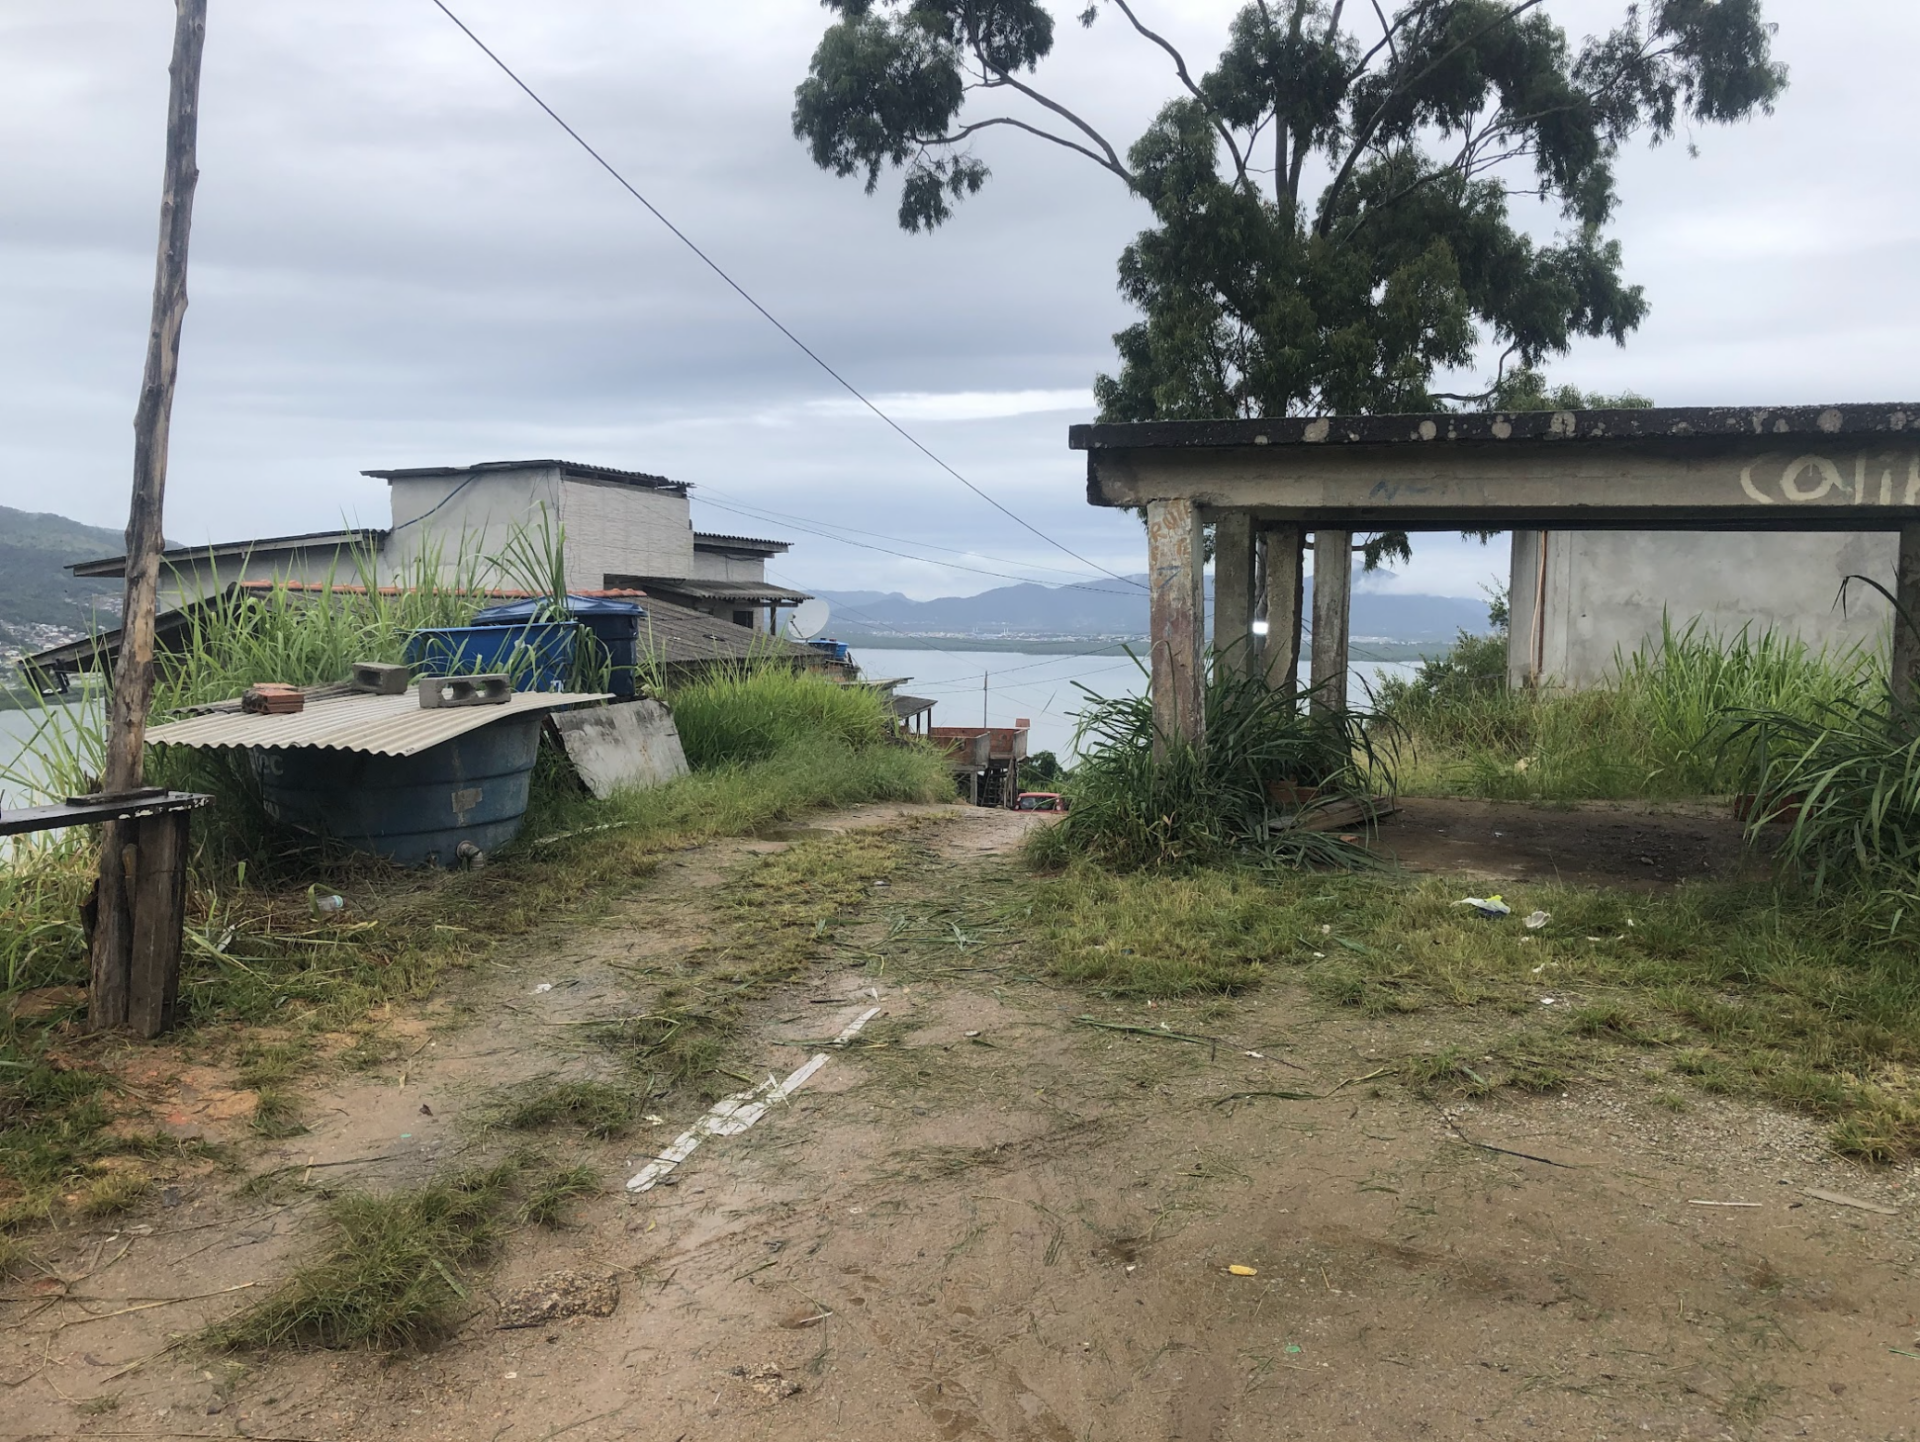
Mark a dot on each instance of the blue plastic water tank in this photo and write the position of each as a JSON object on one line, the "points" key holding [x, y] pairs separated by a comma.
{"points": [[537, 654], [613, 623], [413, 810]]}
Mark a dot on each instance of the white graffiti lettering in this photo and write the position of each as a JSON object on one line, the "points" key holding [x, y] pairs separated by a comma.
{"points": [[1807, 479], [1790, 478]]}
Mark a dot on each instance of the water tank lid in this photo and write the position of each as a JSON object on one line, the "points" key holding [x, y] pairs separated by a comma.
{"points": [[535, 607]]}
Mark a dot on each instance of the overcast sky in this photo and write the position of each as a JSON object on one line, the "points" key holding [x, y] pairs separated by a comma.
{"points": [[398, 261]]}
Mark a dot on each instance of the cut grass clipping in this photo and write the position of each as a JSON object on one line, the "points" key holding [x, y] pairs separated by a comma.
{"points": [[397, 1270]]}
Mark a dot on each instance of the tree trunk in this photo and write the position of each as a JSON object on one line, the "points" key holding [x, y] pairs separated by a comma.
{"points": [[112, 949]]}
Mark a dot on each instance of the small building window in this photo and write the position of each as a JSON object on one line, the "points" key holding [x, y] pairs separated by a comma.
{"points": [[743, 618]]}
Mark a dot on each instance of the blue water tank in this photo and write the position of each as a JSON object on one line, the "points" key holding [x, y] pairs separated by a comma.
{"points": [[413, 810], [539, 655], [613, 623]]}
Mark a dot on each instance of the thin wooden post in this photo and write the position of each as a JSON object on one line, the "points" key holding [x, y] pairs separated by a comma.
{"points": [[1286, 590], [1233, 593], [159, 911], [115, 922], [1332, 596], [1174, 551], [1906, 614]]}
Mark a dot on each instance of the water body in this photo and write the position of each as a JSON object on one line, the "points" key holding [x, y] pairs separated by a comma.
{"points": [[21, 774], [1013, 684]]}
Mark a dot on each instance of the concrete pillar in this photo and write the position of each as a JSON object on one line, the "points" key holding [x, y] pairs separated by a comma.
{"points": [[1332, 596], [1174, 553], [1233, 593], [1906, 642], [1285, 547]]}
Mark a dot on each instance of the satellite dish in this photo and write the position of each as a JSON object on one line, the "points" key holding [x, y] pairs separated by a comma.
{"points": [[809, 619]]}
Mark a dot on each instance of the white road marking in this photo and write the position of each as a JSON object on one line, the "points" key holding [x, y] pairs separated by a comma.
{"points": [[732, 1115]]}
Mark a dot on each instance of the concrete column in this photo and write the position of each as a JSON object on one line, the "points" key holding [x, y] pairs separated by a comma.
{"points": [[1174, 553], [1285, 547], [1332, 596], [1233, 593], [1906, 615]]}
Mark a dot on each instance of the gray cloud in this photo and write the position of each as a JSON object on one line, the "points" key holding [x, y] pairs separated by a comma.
{"points": [[398, 260]]}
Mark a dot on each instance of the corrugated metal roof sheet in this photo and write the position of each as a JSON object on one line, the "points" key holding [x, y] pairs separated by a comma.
{"points": [[382, 725], [701, 590], [720, 540]]}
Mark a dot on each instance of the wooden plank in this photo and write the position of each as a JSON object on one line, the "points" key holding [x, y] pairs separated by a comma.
{"points": [[133, 672], [1174, 551], [1233, 593], [24, 820], [1332, 598], [1906, 641], [1286, 580], [158, 913]]}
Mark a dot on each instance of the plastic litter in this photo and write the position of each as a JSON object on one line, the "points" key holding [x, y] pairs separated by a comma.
{"points": [[1491, 907], [325, 905], [544, 986], [1239, 1271], [1538, 920]]}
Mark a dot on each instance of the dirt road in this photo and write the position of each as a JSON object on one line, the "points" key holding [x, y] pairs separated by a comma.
{"points": [[983, 1217]]}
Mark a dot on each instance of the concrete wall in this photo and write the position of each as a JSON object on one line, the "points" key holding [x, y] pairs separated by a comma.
{"points": [[610, 527], [193, 578], [1608, 591], [710, 566], [615, 529], [477, 516]]}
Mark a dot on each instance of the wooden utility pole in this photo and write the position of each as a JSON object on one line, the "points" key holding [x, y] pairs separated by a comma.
{"points": [[121, 868], [1332, 600]]}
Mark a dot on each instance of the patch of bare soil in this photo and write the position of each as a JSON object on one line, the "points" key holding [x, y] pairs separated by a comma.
{"points": [[985, 1219], [1596, 843]]}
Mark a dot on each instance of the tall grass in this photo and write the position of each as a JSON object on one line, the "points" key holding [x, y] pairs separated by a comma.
{"points": [[1666, 724], [749, 713], [1145, 800]]}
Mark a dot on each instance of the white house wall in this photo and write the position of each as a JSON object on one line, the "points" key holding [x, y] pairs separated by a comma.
{"points": [[193, 578], [478, 516], [708, 566], [1607, 593], [615, 529]]}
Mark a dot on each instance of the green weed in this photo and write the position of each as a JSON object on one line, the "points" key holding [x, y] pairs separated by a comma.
{"points": [[595, 1108]]}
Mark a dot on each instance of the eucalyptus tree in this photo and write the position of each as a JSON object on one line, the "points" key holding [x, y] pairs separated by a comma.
{"points": [[1330, 201]]}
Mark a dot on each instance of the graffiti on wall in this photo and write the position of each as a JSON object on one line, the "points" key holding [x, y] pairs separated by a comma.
{"points": [[1891, 478]]}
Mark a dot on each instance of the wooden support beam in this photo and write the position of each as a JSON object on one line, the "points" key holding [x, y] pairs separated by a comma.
{"points": [[1906, 641], [158, 914], [1332, 598], [1286, 579], [1174, 553], [115, 900], [1233, 593]]}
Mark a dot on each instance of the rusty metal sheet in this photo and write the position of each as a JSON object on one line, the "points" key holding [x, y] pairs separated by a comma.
{"points": [[380, 725]]}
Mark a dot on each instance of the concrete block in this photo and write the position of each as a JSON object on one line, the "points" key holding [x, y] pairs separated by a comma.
{"points": [[492, 689], [627, 747], [381, 678]]}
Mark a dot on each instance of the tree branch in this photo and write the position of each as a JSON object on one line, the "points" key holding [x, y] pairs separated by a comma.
{"points": [[966, 130], [1364, 136], [1180, 69], [1108, 158]]}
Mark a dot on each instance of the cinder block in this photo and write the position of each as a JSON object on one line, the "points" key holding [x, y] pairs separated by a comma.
{"points": [[492, 689], [381, 678]]}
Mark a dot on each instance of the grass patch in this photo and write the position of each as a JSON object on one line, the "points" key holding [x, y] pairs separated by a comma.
{"points": [[741, 715], [772, 923], [1750, 991], [1665, 725], [597, 1109], [398, 1270]]}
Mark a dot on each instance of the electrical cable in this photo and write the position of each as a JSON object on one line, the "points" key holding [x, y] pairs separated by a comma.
{"points": [[766, 314]]}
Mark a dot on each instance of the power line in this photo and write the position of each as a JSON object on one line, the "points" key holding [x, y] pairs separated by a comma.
{"points": [[764, 513], [766, 314], [924, 560]]}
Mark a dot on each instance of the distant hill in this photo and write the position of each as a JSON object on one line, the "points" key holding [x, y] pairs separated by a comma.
{"points": [[40, 604], [1112, 608]]}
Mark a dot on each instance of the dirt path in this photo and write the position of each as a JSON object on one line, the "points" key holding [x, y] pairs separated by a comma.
{"points": [[986, 1219]]}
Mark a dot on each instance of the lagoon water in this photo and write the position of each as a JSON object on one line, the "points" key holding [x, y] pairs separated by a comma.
{"points": [[1040, 688], [19, 774]]}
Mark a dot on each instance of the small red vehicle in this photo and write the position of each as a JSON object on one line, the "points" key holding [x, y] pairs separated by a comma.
{"points": [[1040, 801]]}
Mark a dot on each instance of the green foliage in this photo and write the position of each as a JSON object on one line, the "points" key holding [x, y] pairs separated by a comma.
{"points": [[598, 1109], [1256, 299], [35, 586], [751, 713], [1042, 771], [1668, 723], [1136, 805]]}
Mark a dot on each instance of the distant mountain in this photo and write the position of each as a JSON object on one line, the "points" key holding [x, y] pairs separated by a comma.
{"points": [[1112, 609], [40, 603]]}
